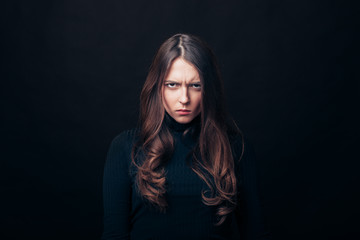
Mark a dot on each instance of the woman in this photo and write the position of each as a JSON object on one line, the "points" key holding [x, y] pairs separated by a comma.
{"points": [[179, 175]]}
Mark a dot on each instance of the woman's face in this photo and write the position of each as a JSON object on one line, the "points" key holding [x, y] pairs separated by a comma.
{"points": [[182, 91]]}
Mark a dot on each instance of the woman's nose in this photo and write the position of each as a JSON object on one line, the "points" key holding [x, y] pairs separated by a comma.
{"points": [[184, 97]]}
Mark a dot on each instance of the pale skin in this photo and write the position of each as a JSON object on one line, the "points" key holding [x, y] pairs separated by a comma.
{"points": [[181, 92]]}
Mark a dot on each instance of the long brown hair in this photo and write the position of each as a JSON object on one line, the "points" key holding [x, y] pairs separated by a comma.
{"points": [[213, 150]]}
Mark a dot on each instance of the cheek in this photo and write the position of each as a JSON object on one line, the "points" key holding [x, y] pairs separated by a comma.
{"points": [[197, 100], [163, 97], [167, 98]]}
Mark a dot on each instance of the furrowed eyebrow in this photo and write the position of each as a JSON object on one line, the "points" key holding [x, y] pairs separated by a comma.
{"points": [[173, 81]]}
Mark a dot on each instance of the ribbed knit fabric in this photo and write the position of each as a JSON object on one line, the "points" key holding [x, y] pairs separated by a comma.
{"points": [[128, 216]]}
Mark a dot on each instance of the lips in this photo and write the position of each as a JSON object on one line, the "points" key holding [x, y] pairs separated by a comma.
{"points": [[183, 112]]}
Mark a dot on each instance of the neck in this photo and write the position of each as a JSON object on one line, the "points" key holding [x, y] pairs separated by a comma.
{"points": [[180, 127]]}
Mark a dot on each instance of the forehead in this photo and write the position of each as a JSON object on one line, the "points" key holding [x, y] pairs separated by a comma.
{"points": [[182, 70]]}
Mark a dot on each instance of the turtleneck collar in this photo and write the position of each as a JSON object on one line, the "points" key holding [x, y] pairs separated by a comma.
{"points": [[180, 127]]}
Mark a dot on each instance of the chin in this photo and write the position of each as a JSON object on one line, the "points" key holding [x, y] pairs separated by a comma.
{"points": [[183, 120]]}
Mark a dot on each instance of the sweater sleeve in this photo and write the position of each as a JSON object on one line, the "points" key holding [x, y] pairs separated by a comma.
{"points": [[117, 190], [249, 210]]}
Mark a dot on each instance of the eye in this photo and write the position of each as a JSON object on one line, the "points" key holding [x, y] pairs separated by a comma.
{"points": [[196, 85], [171, 85]]}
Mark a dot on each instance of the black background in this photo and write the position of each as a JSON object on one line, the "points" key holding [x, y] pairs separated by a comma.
{"points": [[71, 76]]}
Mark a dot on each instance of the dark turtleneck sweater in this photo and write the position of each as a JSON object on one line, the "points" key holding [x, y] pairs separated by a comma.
{"points": [[128, 216]]}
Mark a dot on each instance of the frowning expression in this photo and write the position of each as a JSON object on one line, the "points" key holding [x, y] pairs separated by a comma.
{"points": [[181, 93]]}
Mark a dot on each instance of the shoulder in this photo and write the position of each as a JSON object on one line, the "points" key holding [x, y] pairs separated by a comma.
{"points": [[126, 138], [121, 145], [237, 142], [118, 160], [242, 148]]}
